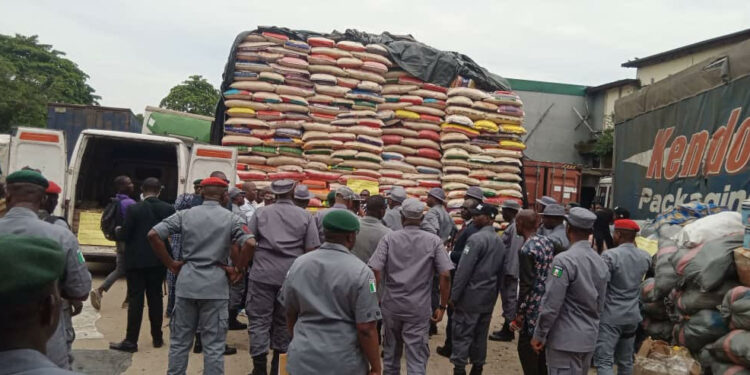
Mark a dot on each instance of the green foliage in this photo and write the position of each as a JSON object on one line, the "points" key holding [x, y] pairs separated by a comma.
{"points": [[139, 116], [605, 143], [34, 74], [194, 95]]}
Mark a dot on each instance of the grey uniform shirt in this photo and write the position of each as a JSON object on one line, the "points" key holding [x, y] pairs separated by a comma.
{"points": [[207, 232], [330, 291], [513, 242], [76, 280], [392, 218], [408, 259], [438, 222], [371, 231], [557, 236], [28, 362], [481, 270], [573, 300], [283, 232], [627, 266], [321, 214]]}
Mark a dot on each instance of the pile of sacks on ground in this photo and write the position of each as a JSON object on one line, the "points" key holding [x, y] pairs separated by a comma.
{"points": [[696, 298], [323, 112]]}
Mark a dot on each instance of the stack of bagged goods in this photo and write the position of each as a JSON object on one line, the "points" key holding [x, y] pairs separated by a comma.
{"points": [[267, 107], [358, 126], [413, 111], [481, 145]]}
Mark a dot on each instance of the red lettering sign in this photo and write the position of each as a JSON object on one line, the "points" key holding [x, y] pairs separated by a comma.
{"points": [[697, 147], [676, 152], [657, 154], [717, 149], [739, 153]]}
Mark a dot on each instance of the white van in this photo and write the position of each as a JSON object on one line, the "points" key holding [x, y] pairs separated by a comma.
{"points": [[98, 157]]}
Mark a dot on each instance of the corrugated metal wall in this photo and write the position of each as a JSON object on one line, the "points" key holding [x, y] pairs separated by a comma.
{"points": [[73, 119]]}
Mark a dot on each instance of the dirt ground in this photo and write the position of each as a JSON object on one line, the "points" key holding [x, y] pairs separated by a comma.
{"points": [[92, 344]]}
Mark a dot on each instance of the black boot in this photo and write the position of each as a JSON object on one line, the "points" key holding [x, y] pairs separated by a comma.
{"points": [[229, 350], [444, 351], [504, 334], [198, 348], [260, 363], [459, 370], [275, 362], [476, 370], [234, 324]]}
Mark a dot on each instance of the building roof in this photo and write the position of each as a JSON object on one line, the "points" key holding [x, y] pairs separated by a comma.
{"points": [[88, 106], [689, 49], [547, 87], [610, 85]]}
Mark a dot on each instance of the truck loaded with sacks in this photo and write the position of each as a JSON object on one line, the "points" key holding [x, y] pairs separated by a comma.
{"points": [[368, 111], [686, 138]]}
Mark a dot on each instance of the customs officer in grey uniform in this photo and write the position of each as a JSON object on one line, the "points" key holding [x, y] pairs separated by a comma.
{"points": [[479, 275], [553, 227], [344, 200], [283, 232], [392, 218], [542, 203], [332, 333], [26, 191], [29, 303], [436, 220], [406, 260], [509, 288], [202, 290], [568, 323], [621, 316]]}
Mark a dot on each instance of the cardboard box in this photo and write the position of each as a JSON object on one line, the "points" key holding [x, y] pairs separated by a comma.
{"points": [[659, 358]]}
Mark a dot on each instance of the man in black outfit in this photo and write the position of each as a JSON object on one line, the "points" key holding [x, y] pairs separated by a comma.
{"points": [[145, 273]]}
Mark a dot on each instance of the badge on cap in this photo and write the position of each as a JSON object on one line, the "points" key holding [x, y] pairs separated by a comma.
{"points": [[373, 287], [557, 272]]}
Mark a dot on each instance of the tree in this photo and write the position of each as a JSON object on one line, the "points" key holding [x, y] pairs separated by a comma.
{"points": [[34, 74], [194, 95], [605, 142]]}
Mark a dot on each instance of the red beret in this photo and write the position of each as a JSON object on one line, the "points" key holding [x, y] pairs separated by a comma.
{"points": [[627, 224], [214, 181], [53, 188]]}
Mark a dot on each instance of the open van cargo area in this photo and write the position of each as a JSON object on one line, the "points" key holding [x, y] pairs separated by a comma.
{"points": [[106, 158]]}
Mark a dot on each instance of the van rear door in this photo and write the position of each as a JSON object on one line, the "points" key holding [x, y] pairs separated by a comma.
{"points": [[205, 159], [41, 149]]}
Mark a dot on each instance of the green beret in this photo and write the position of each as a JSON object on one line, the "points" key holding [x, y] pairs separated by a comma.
{"points": [[27, 176], [331, 198], [29, 264], [197, 181], [341, 221]]}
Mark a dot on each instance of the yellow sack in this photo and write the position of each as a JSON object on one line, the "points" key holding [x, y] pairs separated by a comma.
{"points": [[512, 129], [512, 145], [241, 112], [404, 114], [486, 125], [446, 127]]}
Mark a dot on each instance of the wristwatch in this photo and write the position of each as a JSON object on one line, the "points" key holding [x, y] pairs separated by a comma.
{"points": [[443, 307]]}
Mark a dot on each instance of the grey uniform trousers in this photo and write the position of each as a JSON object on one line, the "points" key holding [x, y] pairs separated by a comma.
{"points": [[470, 331], [237, 294], [209, 316], [615, 343], [567, 363], [59, 346], [266, 319], [412, 334]]}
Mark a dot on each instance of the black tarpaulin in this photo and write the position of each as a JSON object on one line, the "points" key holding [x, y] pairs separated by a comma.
{"points": [[418, 59]]}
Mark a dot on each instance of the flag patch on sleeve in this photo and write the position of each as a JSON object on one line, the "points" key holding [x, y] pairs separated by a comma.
{"points": [[373, 287], [81, 259], [557, 271]]}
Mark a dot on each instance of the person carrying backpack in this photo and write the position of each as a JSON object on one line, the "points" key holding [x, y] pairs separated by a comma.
{"points": [[114, 216]]}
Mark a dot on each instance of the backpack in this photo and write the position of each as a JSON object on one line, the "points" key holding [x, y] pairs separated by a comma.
{"points": [[111, 219]]}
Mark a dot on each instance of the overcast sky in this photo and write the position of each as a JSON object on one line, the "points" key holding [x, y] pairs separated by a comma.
{"points": [[135, 51]]}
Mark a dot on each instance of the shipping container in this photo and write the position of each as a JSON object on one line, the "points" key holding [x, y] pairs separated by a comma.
{"points": [[557, 180], [73, 119]]}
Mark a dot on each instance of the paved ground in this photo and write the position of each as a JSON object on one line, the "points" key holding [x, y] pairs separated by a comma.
{"points": [[95, 330]]}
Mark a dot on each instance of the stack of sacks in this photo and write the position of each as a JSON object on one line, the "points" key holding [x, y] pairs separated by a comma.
{"points": [[359, 128], [267, 107], [413, 111]]}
